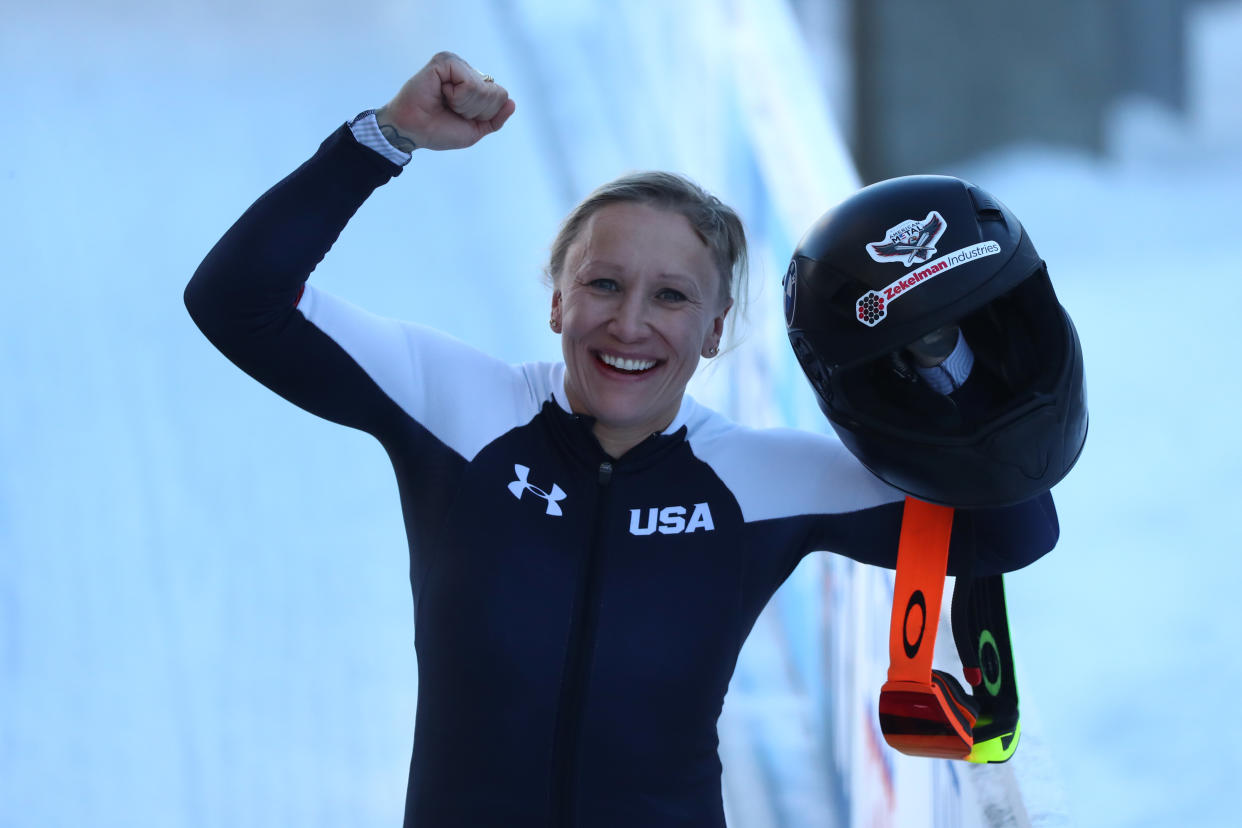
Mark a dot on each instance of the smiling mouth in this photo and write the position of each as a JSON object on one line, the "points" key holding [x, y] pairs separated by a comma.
{"points": [[626, 366]]}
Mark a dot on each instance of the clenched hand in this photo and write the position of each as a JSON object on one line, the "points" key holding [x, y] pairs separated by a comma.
{"points": [[446, 105]]}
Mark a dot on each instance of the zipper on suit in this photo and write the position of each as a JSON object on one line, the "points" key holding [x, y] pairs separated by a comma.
{"points": [[565, 744]]}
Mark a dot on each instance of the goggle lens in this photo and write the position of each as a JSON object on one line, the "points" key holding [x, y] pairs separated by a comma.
{"points": [[921, 721]]}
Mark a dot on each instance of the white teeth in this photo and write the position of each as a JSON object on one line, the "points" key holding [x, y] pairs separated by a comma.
{"points": [[627, 364]]}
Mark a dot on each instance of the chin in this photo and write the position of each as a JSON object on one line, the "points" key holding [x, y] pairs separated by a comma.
{"points": [[620, 416], [625, 414]]}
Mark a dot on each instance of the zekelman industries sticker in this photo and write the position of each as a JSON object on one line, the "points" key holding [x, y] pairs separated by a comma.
{"points": [[873, 305]]}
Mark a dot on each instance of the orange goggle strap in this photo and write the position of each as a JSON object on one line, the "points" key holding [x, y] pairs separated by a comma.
{"points": [[922, 561], [923, 712]]}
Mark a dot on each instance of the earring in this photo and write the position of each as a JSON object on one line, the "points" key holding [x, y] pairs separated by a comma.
{"points": [[711, 352], [552, 323]]}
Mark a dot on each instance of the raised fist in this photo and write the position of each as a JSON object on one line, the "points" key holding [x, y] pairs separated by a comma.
{"points": [[446, 105]]}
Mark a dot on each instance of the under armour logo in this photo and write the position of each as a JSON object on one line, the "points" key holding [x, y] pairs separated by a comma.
{"points": [[521, 485]]}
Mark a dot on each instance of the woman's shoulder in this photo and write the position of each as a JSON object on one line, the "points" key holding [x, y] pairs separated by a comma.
{"points": [[545, 381], [779, 472], [711, 429]]}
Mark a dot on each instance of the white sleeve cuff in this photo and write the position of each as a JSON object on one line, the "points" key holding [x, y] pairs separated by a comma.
{"points": [[367, 131], [949, 375]]}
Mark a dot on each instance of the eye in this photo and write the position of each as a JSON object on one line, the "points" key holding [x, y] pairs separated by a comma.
{"points": [[604, 284], [671, 295]]}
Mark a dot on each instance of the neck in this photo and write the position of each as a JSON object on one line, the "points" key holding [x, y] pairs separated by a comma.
{"points": [[616, 442]]}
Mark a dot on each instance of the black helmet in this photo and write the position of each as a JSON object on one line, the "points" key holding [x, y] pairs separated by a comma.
{"points": [[897, 261]]}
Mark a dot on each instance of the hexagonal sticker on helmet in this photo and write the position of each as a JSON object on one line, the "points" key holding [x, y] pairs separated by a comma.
{"points": [[871, 308]]}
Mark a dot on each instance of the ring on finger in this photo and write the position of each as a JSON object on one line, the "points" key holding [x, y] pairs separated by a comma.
{"points": [[488, 79]]}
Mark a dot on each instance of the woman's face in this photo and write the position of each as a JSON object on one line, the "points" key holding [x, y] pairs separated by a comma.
{"points": [[638, 302]]}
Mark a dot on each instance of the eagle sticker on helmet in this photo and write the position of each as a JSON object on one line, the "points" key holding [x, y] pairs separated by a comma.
{"points": [[911, 242]]}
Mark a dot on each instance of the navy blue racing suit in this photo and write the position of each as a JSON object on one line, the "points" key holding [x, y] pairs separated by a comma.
{"points": [[577, 616]]}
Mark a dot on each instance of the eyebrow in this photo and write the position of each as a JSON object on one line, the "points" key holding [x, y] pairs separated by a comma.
{"points": [[611, 268]]}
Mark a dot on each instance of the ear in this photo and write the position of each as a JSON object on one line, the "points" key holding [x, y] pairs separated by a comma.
{"points": [[555, 320], [711, 345]]}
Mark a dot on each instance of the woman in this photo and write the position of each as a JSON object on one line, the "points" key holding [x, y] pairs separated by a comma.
{"points": [[589, 547]]}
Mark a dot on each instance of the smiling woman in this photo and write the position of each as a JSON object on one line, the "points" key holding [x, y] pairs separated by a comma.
{"points": [[638, 301], [574, 647]]}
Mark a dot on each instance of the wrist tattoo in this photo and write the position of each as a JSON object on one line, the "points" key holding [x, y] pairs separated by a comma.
{"points": [[397, 139]]}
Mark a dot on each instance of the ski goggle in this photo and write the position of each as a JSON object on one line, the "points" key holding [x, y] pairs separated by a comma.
{"points": [[935, 719], [926, 712]]}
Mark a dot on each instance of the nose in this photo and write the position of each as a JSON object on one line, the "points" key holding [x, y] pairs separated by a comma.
{"points": [[629, 322]]}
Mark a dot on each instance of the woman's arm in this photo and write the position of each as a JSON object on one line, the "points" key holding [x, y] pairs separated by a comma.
{"points": [[984, 541], [801, 492], [245, 295]]}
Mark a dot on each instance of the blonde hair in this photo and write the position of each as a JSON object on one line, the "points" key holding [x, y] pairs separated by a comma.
{"points": [[715, 223]]}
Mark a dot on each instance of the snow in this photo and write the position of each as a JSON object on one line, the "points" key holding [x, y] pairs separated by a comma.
{"points": [[204, 617]]}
